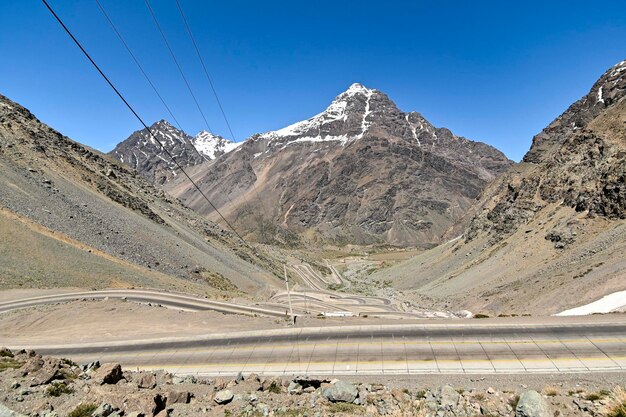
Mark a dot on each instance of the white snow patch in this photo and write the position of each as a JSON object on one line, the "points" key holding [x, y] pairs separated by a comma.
{"points": [[210, 145], [606, 304], [336, 112], [364, 124], [621, 66], [600, 99], [413, 130]]}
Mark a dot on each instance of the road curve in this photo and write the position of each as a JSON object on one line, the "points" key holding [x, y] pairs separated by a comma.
{"points": [[166, 299]]}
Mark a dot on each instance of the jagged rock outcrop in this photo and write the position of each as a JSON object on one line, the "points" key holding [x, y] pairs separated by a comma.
{"points": [[362, 171], [143, 152], [579, 160], [549, 234]]}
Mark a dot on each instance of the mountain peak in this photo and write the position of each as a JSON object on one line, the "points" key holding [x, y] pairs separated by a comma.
{"points": [[162, 124], [358, 88], [212, 145]]}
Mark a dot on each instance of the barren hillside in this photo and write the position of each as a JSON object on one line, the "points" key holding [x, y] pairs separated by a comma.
{"points": [[549, 234]]}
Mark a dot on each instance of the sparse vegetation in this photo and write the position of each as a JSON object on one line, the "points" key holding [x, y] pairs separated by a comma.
{"points": [[617, 404], [345, 408], [83, 410], [335, 287], [551, 391], [68, 362], [56, 389], [9, 363], [481, 316], [292, 412], [274, 388], [420, 394], [216, 280], [479, 396]]}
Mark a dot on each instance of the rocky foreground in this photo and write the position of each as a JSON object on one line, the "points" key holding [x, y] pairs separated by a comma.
{"points": [[36, 385]]}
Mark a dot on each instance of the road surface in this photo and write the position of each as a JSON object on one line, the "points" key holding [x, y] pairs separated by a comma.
{"points": [[313, 296], [167, 299], [574, 345]]}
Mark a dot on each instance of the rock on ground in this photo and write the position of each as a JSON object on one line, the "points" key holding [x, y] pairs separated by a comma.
{"points": [[532, 404], [109, 373], [224, 396], [7, 412], [341, 391]]}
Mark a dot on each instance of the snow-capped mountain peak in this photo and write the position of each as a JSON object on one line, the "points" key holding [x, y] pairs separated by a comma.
{"points": [[358, 88], [212, 145], [346, 119]]}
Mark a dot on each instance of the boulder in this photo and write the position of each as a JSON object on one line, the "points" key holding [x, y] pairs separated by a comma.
{"points": [[103, 410], [223, 396], [164, 413], [294, 388], [91, 366], [178, 397], [341, 391], [447, 397], [109, 373], [7, 412], [149, 405], [220, 383], [49, 371], [398, 395], [271, 385], [32, 364], [532, 404], [147, 381]]}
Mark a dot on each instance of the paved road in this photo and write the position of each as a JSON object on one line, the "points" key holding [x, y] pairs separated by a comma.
{"points": [[314, 297], [166, 299], [474, 347], [367, 350]]}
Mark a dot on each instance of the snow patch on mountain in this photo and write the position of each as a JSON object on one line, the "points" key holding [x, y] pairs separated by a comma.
{"points": [[212, 145], [327, 121]]}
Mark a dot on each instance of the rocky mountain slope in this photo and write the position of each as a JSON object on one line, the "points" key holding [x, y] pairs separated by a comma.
{"points": [[71, 216], [550, 233], [361, 172], [143, 153]]}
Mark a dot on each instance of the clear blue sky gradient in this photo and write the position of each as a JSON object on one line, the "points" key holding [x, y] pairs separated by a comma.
{"points": [[494, 71]]}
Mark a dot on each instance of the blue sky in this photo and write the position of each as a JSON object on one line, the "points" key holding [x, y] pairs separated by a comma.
{"points": [[494, 71]]}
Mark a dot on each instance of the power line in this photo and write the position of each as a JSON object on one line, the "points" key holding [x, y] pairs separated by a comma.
{"points": [[141, 120], [208, 77], [136, 60], [130, 52], [206, 72], [180, 70]]}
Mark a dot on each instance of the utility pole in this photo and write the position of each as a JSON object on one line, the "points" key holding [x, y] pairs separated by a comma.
{"points": [[288, 293]]}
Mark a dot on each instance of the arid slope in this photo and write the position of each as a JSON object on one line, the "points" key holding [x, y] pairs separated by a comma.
{"points": [[548, 235], [74, 217]]}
